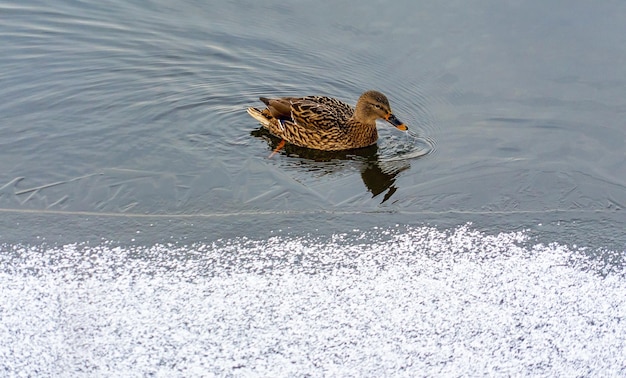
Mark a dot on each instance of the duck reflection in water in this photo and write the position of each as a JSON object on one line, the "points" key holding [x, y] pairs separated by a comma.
{"points": [[378, 176]]}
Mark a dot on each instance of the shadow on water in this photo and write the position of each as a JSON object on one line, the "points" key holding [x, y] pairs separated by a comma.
{"points": [[378, 175]]}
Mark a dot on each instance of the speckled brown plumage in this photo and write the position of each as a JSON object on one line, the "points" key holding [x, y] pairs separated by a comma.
{"points": [[325, 123]]}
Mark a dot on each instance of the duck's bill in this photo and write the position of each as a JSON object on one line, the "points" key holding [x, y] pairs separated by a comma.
{"points": [[396, 122]]}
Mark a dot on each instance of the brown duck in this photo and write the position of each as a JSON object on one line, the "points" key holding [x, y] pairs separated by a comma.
{"points": [[325, 123]]}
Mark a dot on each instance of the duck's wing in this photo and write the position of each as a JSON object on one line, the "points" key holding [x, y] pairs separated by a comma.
{"points": [[279, 108], [320, 112], [313, 115], [312, 112], [343, 109]]}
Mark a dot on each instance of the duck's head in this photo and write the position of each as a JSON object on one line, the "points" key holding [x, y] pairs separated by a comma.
{"points": [[373, 105]]}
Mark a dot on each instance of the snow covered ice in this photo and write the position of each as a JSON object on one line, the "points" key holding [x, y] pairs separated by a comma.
{"points": [[371, 303]]}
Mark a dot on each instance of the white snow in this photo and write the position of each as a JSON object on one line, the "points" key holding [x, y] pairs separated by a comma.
{"points": [[419, 303]]}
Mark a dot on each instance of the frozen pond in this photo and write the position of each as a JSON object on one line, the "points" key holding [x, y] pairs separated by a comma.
{"points": [[420, 302]]}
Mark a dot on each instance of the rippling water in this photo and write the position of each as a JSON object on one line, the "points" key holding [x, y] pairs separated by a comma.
{"points": [[125, 143]]}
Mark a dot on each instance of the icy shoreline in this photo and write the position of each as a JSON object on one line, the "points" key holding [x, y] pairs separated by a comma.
{"points": [[424, 302]]}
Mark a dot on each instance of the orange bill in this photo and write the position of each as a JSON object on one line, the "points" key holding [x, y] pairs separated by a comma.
{"points": [[396, 122]]}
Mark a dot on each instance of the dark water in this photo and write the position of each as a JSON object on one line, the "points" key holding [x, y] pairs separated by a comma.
{"points": [[137, 108], [124, 129]]}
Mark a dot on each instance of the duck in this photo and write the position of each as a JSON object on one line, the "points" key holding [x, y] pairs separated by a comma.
{"points": [[325, 123]]}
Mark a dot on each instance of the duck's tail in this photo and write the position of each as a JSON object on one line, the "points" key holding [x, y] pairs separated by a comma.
{"points": [[259, 116]]}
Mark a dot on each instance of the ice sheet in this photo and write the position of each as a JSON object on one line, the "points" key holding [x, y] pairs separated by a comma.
{"points": [[372, 303]]}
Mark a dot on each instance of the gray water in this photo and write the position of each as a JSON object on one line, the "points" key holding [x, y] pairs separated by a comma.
{"points": [[145, 231]]}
